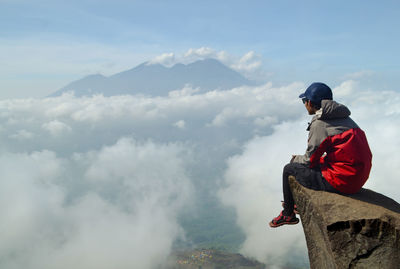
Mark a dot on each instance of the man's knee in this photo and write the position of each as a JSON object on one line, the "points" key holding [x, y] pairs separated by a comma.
{"points": [[290, 168], [287, 167]]}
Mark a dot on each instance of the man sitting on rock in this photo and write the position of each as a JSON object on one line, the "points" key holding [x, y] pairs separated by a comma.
{"points": [[337, 159]]}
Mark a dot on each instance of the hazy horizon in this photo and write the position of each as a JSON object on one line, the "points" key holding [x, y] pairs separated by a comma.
{"points": [[47, 44]]}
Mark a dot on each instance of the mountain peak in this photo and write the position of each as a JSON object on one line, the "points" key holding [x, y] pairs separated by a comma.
{"points": [[158, 80]]}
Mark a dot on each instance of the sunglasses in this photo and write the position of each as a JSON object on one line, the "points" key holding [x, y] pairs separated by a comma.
{"points": [[304, 100]]}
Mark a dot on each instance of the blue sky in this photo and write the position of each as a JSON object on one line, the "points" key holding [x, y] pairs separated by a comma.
{"points": [[47, 44]]}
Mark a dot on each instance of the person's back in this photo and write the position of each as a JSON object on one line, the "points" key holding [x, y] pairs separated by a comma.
{"points": [[343, 154], [337, 159]]}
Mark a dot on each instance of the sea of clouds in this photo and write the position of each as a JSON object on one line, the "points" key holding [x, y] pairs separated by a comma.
{"points": [[99, 182]]}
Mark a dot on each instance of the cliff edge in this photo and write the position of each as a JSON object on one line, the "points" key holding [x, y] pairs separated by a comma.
{"points": [[349, 231]]}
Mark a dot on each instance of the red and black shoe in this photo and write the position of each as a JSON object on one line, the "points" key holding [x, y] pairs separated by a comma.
{"points": [[282, 219], [294, 208]]}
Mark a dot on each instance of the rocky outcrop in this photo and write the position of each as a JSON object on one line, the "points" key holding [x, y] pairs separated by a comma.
{"points": [[349, 231], [211, 259]]}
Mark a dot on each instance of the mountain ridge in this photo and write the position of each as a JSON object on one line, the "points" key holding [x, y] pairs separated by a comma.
{"points": [[158, 80]]}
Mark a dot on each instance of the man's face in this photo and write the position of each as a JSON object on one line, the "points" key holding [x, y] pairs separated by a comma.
{"points": [[307, 103]]}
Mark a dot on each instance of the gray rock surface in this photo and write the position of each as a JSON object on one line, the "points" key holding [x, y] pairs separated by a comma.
{"points": [[349, 231]]}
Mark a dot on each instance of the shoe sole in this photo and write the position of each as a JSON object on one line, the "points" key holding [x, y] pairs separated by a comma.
{"points": [[283, 223]]}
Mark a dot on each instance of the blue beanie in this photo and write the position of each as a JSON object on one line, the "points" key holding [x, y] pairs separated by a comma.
{"points": [[317, 92]]}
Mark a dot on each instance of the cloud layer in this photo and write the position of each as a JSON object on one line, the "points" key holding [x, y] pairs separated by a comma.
{"points": [[115, 207], [93, 181]]}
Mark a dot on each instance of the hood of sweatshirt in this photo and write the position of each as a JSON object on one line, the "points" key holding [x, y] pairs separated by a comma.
{"points": [[333, 110]]}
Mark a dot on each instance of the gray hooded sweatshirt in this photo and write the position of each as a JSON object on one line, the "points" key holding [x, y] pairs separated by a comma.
{"points": [[332, 119]]}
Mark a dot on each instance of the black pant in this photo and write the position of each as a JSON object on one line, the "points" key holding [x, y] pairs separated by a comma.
{"points": [[309, 178]]}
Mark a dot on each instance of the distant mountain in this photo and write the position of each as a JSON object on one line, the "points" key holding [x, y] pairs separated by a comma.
{"points": [[158, 80]]}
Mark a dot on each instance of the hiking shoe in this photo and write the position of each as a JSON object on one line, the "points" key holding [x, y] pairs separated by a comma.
{"points": [[294, 208], [282, 219]]}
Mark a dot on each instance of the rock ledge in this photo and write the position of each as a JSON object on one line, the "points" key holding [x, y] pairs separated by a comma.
{"points": [[349, 231]]}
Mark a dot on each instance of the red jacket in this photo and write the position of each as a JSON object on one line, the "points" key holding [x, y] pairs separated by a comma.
{"points": [[339, 147]]}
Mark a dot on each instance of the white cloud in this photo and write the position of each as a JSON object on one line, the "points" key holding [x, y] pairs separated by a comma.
{"points": [[225, 115], [22, 135], [56, 127], [378, 114], [250, 64], [180, 124], [265, 121], [254, 183], [132, 226], [66, 112], [345, 89], [264, 101], [127, 165], [120, 179], [166, 59], [203, 52], [185, 91]]}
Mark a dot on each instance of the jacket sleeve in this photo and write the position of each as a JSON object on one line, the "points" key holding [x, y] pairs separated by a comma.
{"points": [[316, 135]]}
